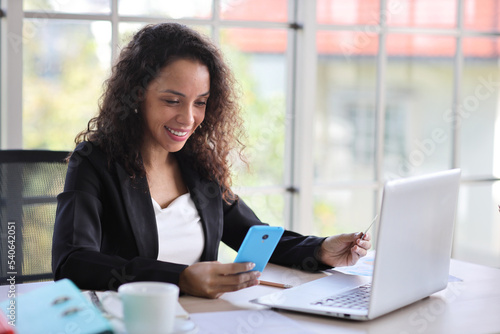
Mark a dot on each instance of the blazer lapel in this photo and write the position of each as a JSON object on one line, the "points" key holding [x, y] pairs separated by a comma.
{"points": [[139, 207], [208, 200]]}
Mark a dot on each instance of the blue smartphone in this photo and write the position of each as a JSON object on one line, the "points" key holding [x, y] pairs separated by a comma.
{"points": [[259, 245]]}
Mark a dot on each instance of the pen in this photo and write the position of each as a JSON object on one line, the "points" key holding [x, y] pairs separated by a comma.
{"points": [[276, 285], [373, 221]]}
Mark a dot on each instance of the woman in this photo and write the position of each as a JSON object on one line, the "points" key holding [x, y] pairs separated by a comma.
{"points": [[147, 194]]}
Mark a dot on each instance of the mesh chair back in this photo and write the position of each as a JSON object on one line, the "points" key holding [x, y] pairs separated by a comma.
{"points": [[29, 184]]}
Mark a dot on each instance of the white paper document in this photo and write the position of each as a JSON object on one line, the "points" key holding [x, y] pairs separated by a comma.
{"points": [[246, 322], [364, 267]]}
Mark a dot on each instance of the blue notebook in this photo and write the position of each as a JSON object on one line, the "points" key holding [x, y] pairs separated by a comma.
{"points": [[56, 308]]}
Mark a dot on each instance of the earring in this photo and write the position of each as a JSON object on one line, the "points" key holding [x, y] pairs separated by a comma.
{"points": [[135, 110]]}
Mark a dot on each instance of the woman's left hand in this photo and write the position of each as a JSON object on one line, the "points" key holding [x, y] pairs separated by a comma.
{"points": [[344, 249]]}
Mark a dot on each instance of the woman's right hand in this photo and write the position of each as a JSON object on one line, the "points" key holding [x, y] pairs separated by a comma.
{"points": [[212, 279]]}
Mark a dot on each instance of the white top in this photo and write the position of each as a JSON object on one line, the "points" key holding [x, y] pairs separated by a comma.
{"points": [[180, 234]]}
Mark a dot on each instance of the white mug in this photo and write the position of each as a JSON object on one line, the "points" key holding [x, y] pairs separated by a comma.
{"points": [[149, 307]]}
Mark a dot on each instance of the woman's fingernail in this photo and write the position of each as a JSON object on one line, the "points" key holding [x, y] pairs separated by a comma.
{"points": [[251, 266]]}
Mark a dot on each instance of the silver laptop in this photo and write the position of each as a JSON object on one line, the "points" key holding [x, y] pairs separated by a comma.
{"points": [[412, 258]]}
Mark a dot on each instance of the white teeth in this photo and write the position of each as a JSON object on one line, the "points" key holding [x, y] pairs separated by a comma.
{"points": [[177, 133]]}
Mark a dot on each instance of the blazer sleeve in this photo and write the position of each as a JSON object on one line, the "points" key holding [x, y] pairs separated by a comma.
{"points": [[93, 243], [293, 250]]}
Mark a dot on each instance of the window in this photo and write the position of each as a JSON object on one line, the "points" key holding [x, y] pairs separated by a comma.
{"points": [[338, 97], [405, 88], [64, 66]]}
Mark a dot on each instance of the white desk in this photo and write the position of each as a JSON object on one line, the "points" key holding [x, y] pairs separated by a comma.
{"points": [[471, 306]]}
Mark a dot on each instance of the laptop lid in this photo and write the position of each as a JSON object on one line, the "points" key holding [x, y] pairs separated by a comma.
{"points": [[414, 240]]}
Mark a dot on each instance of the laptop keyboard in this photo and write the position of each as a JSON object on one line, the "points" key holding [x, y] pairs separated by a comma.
{"points": [[357, 298]]}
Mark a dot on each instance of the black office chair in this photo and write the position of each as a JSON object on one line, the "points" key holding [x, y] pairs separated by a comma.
{"points": [[29, 184]]}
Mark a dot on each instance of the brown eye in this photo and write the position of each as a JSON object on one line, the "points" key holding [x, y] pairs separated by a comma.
{"points": [[171, 102]]}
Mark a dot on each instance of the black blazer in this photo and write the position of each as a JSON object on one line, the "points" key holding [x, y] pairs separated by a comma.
{"points": [[105, 231]]}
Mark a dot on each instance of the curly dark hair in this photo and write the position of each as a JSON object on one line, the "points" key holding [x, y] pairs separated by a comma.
{"points": [[118, 130]]}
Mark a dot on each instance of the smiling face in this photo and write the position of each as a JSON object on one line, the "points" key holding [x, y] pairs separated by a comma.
{"points": [[174, 104]]}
